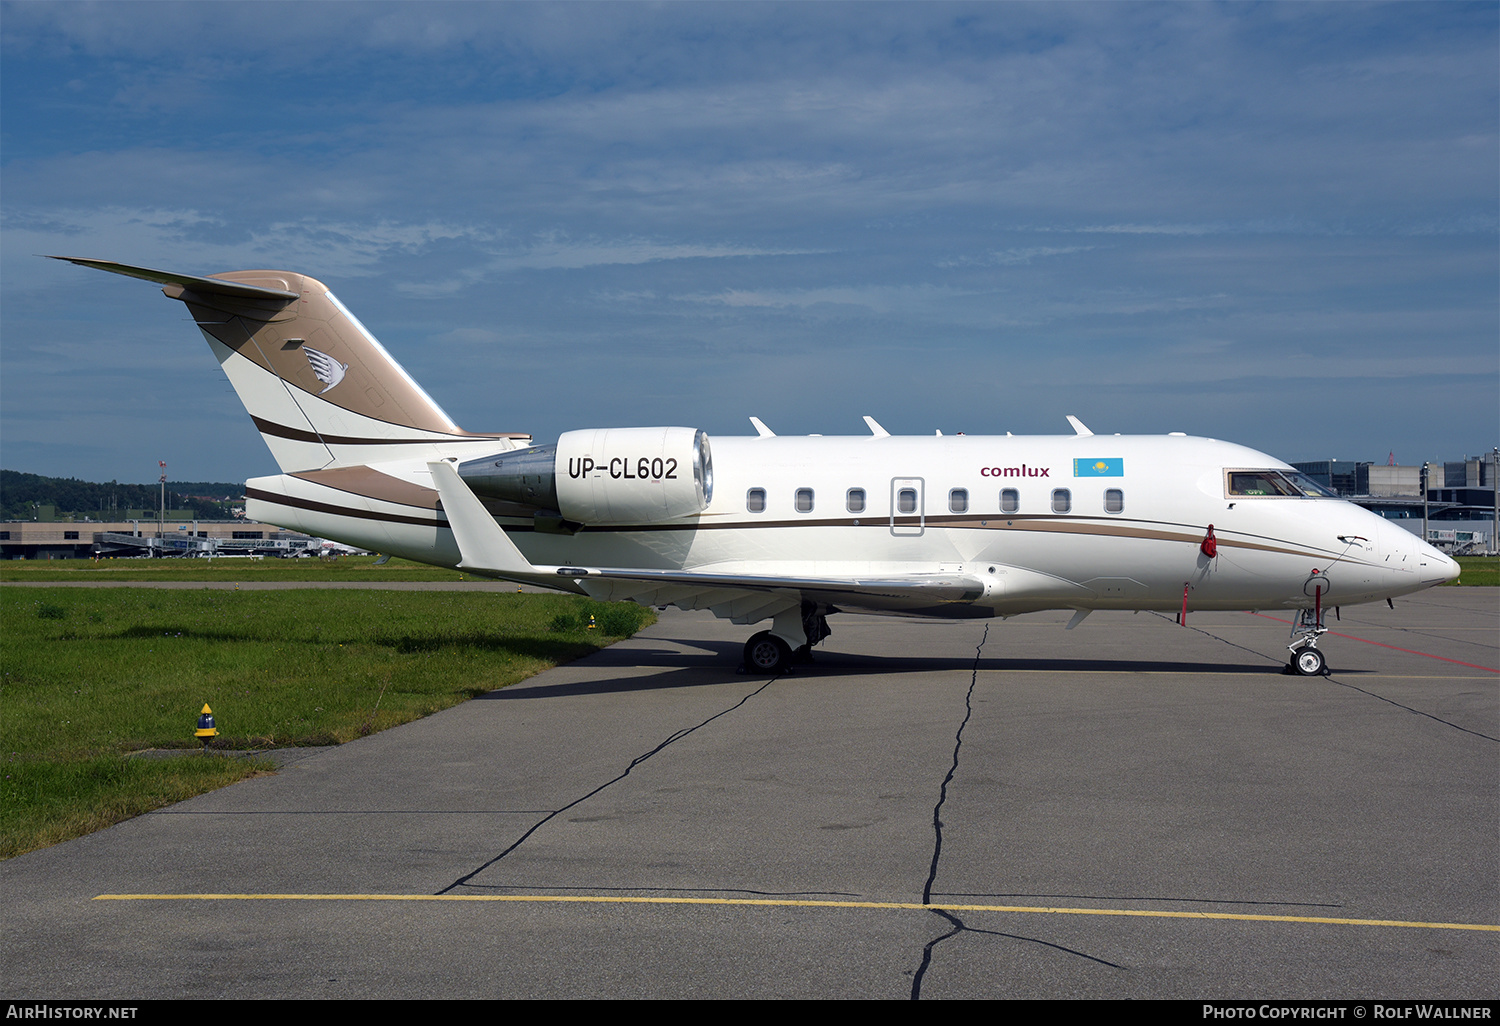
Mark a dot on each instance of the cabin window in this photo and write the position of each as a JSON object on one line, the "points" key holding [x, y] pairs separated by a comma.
{"points": [[854, 501], [1062, 500], [1010, 500], [755, 500], [1114, 500], [804, 500], [958, 500], [906, 500]]}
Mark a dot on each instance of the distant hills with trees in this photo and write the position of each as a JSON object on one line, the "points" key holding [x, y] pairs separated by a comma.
{"points": [[22, 494]]}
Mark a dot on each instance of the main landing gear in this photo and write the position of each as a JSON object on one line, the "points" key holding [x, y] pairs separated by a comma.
{"points": [[768, 653]]}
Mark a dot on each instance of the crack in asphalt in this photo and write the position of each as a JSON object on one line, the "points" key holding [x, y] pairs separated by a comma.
{"points": [[958, 743], [672, 739], [937, 822], [958, 925], [1172, 619], [1331, 678]]}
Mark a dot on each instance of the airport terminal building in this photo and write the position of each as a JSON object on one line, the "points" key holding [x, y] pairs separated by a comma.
{"points": [[1459, 503], [87, 539]]}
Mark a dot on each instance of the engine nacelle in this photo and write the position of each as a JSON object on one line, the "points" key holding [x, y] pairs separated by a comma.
{"points": [[633, 475], [603, 476]]}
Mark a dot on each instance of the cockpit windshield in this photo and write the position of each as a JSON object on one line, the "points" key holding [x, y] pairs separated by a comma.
{"points": [[1287, 483]]}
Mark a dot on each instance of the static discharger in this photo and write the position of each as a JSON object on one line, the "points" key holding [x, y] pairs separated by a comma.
{"points": [[206, 729]]}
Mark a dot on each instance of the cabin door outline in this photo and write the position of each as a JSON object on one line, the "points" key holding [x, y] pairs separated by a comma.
{"points": [[908, 507]]}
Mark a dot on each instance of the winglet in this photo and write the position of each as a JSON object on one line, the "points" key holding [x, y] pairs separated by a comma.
{"points": [[761, 429], [875, 429], [1078, 427], [482, 545]]}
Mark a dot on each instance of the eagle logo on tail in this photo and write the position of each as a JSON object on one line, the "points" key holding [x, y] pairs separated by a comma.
{"points": [[328, 370]]}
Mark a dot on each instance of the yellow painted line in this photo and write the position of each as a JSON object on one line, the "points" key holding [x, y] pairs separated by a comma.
{"points": [[800, 903]]}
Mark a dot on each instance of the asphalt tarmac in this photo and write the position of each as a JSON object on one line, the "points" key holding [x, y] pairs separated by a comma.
{"points": [[934, 810]]}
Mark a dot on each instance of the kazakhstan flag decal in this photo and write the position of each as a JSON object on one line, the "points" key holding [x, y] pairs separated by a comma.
{"points": [[1099, 468]]}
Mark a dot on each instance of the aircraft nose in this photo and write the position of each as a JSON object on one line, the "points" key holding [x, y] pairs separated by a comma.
{"points": [[1445, 569], [1437, 568]]}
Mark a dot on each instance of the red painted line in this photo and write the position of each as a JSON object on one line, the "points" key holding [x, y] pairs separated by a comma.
{"points": [[1398, 648]]}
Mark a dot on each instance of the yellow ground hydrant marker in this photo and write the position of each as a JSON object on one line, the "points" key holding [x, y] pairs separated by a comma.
{"points": [[206, 729]]}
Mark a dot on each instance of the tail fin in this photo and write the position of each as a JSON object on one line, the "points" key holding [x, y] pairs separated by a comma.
{"points": [[321, 389]]}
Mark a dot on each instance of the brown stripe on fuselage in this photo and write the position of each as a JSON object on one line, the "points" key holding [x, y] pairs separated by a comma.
{"points": [[369, 483], [297, 502], [372, 484], [270, 427]]}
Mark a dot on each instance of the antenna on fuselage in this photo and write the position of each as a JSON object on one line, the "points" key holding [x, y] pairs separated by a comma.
{"points": [[875, 429], [761, 429], [1078, 427]]}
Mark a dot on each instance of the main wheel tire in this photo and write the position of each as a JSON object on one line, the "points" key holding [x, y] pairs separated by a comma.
{"points": [[766, 653], [1309, 662]]}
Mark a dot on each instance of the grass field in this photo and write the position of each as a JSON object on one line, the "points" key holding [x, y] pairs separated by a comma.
{"points": [[1483, 571], [88, 676]]}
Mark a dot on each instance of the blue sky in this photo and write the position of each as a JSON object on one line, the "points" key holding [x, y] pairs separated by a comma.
{"points": [[1271, 223]]}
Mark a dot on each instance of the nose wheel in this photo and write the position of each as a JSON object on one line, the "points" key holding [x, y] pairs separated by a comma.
{"points": [[1309, 663]]}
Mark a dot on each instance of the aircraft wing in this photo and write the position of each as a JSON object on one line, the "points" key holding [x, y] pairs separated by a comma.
{"points": [[485, 548], [751, 597]]}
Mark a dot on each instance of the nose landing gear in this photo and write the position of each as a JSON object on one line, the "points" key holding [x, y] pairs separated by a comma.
{"points": [[1306, 660]]}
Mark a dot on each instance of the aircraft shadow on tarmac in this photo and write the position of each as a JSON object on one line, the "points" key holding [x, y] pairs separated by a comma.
{"points": [[707, 663]]}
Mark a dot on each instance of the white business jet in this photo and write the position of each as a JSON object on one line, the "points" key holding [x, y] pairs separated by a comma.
{"points": [[786, 529]]}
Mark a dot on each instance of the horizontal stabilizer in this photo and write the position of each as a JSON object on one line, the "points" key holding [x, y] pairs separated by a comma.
{"points": [[209, 286]]}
